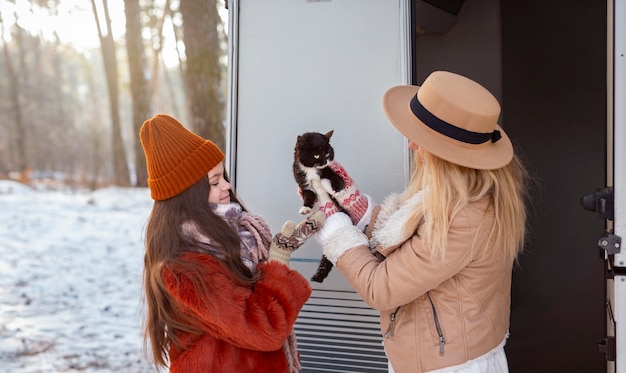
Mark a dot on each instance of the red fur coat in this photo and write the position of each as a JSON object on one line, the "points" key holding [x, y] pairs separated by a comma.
{"points": [[244, 329]]}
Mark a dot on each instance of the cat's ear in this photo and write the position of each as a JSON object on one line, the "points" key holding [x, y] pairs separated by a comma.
{"points": [[329, 134], [299, 137]]}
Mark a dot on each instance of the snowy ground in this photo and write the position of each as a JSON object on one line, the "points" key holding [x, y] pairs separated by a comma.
{"points": [[70, 280]]}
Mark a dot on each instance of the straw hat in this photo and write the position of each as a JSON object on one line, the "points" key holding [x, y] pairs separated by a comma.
{"points": [[176, 158], [452, 117]]}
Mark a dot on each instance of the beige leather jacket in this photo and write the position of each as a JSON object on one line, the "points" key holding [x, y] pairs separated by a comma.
{"points": [[434, 313]]}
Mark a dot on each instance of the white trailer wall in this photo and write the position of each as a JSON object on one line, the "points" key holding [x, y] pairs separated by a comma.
{"points": [[300, 66]]}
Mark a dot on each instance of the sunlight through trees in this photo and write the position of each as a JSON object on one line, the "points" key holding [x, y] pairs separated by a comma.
{"points": [[78, 79]]}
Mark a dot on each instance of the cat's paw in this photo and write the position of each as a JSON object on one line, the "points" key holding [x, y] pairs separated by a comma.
{"points": [[304, 210], [328, 187]]}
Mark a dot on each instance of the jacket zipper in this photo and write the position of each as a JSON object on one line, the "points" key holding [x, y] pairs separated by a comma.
{"points": [[442, 339], [392, 324]]}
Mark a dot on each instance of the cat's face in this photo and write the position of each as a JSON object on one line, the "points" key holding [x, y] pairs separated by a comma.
{"points": [[314, 150]]}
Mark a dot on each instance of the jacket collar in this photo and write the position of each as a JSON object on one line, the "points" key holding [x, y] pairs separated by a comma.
{"points": [[389, 228]]}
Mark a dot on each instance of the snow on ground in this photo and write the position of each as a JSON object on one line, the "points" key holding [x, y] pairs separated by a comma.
{"points": [[70, 280]]}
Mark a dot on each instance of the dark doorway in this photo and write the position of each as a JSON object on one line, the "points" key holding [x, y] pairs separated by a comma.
{"points": [[554, 99], [546, 62]]}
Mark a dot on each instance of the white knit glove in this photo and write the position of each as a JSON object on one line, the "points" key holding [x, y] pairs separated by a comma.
{"points": [[339, 235]]}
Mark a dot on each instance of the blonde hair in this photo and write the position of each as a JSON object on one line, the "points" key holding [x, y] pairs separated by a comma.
{"points": [[449, 188]]}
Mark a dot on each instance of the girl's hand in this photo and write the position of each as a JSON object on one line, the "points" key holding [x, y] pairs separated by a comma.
{"points": [[292, 236]]}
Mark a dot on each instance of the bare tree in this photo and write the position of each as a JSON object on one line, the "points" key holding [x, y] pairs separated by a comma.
{"points": [[202, 72], [171, 91], [107, 46], [94, 158], [14, 93], [158, 47], [67, 144], [138, 83]]}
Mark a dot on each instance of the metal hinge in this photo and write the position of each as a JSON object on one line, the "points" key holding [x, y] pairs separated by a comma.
{"points": [[610, 243]]}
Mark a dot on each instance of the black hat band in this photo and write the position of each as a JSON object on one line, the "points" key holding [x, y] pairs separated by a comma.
{"points": [[448, 129]]}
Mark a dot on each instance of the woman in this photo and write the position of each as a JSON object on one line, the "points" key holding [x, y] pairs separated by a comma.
{"points": [[448, 242], [220, 295]]}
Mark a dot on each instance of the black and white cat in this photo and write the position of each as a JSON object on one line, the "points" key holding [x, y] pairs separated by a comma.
{"points": [[312, 156]]}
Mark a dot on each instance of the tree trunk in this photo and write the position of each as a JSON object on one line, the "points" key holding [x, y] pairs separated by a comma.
{"points": [[14, 93], [138, 84], [107, 45], [95, 158], [202, 73], [156, 50]]}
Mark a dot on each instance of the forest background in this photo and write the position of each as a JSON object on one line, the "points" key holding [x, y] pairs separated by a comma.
{"points": [[70, 112]]}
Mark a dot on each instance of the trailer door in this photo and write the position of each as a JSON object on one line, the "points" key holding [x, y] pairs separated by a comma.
{"points": [[318, 65]]}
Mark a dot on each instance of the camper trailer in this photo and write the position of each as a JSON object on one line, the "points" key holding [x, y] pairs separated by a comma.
{"points": [[559, 71]]}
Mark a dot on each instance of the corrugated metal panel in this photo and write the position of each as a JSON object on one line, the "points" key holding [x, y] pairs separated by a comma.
{"points": [[337, 332]]}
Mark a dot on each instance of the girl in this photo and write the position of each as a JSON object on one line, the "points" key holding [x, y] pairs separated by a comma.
{"points": [[220, 297]]}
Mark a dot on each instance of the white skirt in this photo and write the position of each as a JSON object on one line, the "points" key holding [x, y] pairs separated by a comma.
{"points": [[493, 361]]}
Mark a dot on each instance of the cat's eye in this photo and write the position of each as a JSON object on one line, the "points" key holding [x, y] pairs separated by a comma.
{"points": [[316, 156]]}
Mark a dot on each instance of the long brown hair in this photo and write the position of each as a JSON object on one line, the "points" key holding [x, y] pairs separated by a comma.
{"points": [[164, 243]]}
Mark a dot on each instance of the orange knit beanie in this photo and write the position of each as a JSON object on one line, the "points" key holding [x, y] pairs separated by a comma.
{"points": [[176, 158]]}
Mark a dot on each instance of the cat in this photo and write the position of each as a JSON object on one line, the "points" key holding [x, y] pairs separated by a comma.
{"points": [[312, 156]]}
